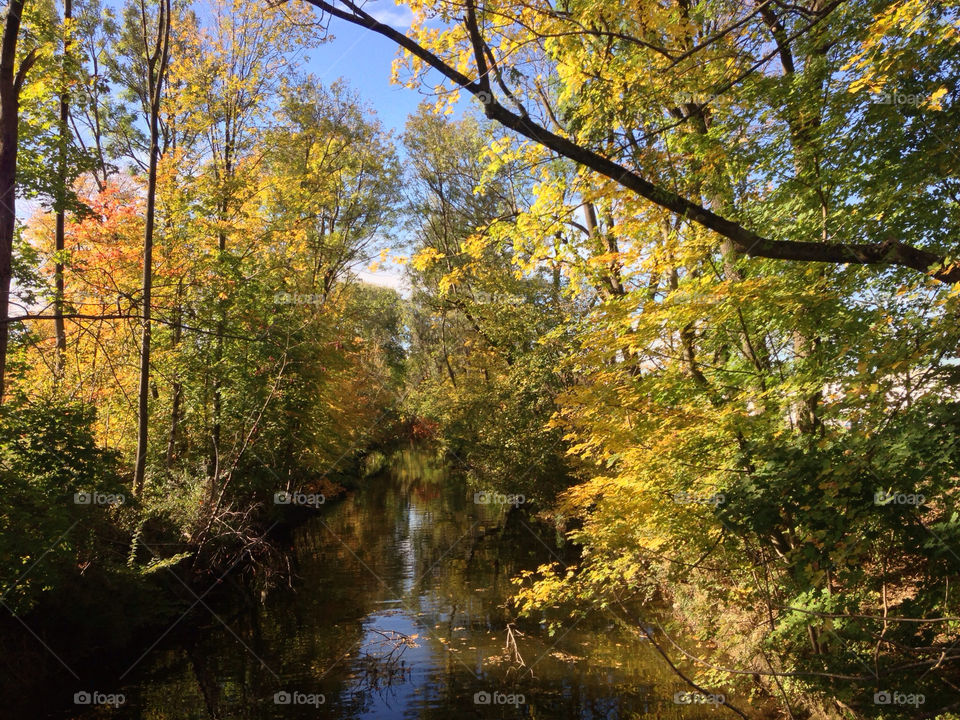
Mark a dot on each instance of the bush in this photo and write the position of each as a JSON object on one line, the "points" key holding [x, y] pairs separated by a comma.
{"points": [[50, 468]]}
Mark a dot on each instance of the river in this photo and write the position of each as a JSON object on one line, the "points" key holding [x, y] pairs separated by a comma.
{"points": [[398, 610]]}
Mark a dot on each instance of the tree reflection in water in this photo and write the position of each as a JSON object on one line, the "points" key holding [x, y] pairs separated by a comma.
{"points": [[400, 610]]}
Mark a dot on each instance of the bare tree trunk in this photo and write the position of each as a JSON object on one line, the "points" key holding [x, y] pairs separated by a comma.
{"points": [[145, 338], [446, 355], [59, 240], [156, 66], [177, 385], [214, 462], [11, 81]]}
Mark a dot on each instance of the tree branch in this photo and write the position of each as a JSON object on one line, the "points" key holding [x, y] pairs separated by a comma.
{"points": [[889, 253]]}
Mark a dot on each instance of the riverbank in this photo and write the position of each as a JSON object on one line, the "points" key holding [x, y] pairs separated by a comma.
{"points": [[86, 630]]}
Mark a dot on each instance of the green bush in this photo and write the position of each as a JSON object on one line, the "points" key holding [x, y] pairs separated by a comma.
{"points": [[48, 456]]}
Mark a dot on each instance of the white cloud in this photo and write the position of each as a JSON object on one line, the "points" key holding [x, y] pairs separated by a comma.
{"points": [[398, 16]]}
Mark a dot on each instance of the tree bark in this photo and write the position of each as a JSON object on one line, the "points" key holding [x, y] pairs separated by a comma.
{"points": [[229, 153], [11, 81], [156, 69], [59, 239], [173, 438]]}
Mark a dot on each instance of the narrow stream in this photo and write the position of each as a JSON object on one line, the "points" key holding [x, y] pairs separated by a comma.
{"points": [[398, 611]]}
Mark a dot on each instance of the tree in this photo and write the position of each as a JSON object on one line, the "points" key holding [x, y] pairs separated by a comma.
{"points": [[733, 422], [146, 43], [12, 77], [334, 175], [230, 79], [46, 139], [484, 334], [63, 131]]}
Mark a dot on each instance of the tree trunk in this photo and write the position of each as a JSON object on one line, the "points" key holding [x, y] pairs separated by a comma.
{"points": [[214, 462], [147, 285], [11, 81], [59, 244], [157, 65], [172, 440]]}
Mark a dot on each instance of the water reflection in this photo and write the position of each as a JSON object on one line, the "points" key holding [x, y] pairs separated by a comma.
{"points": [[399, 612]]}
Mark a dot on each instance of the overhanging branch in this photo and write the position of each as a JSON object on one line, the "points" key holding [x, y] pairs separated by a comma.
{"points": [[889, 253]]}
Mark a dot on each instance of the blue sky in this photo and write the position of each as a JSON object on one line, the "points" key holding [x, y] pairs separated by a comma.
{"points": [[363, 58]]}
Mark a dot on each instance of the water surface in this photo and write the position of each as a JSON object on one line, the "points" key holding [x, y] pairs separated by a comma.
{"points": [[398, 610]]}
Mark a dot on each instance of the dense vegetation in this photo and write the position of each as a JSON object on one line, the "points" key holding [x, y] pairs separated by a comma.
{"points": [[267, 367], [684, 277]]}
